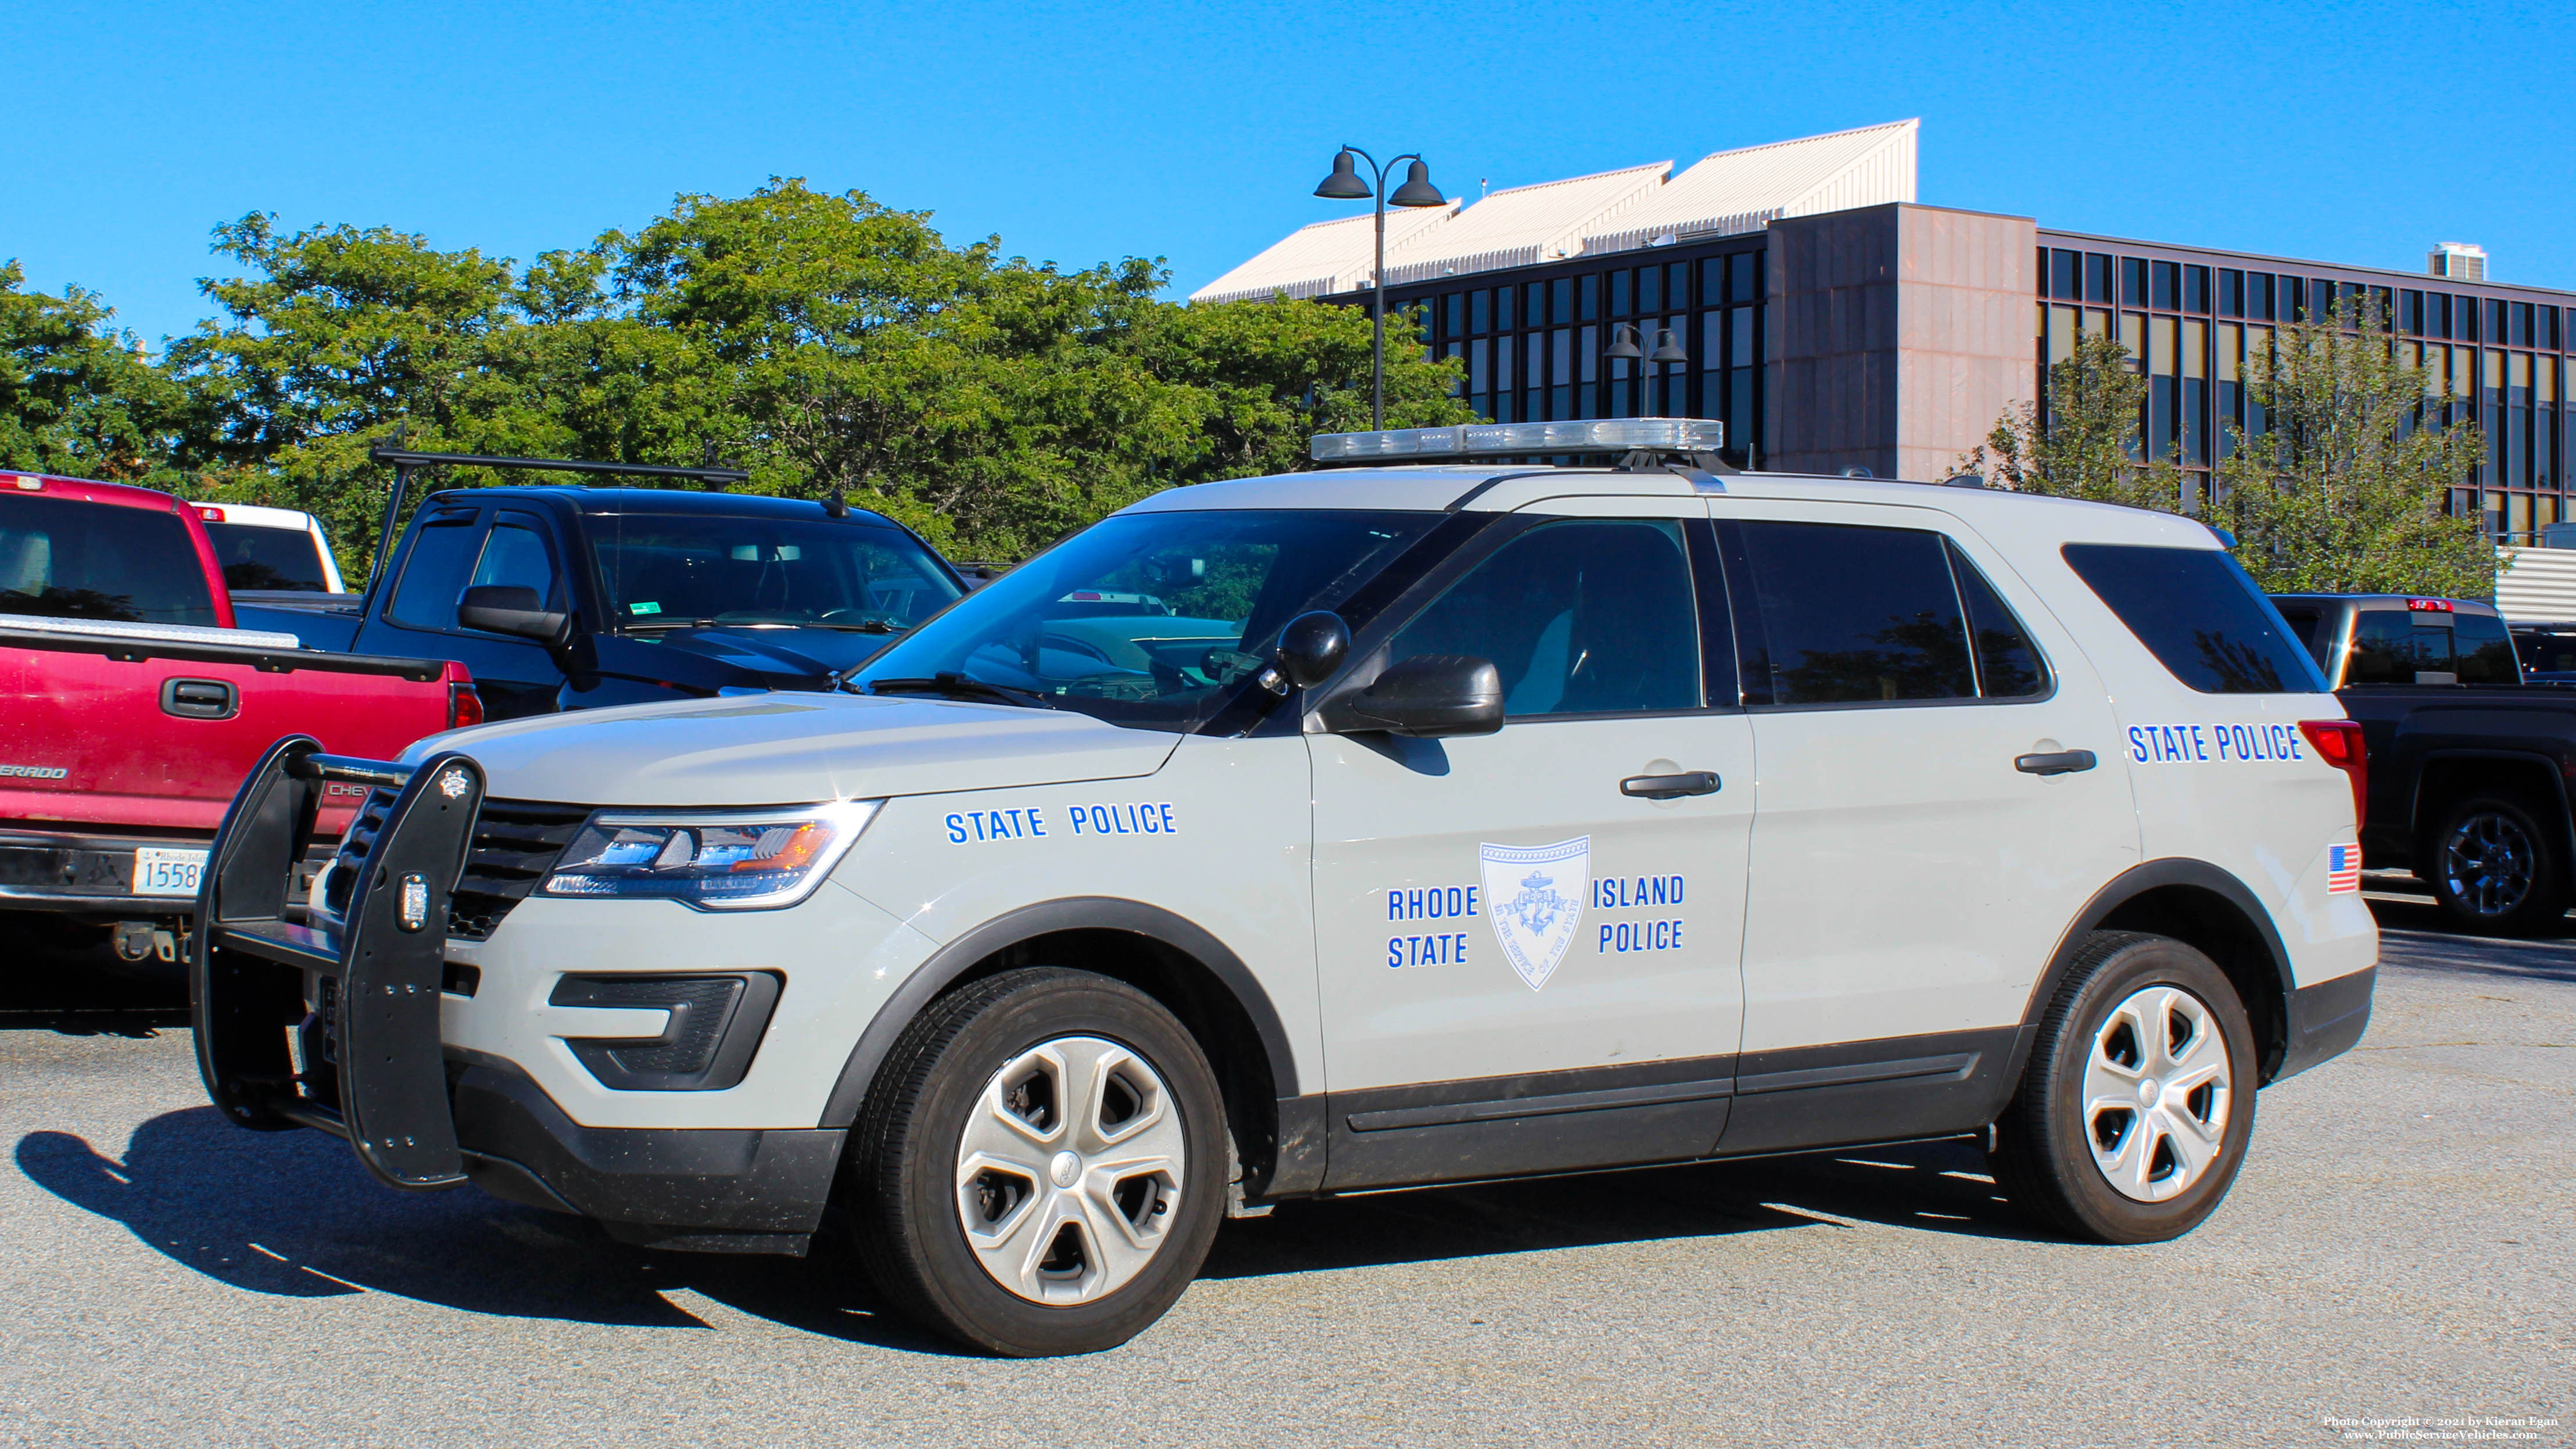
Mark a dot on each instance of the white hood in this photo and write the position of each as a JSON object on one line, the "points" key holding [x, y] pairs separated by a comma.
{"points": [[791, 749]]}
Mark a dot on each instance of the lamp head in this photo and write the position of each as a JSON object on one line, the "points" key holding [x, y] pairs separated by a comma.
{"points": [[1417, 189], [1623, 343], [1345, 183], [1668, 348]]}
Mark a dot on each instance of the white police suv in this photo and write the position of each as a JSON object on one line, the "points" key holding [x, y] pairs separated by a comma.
{"points": [[1355, 829]]}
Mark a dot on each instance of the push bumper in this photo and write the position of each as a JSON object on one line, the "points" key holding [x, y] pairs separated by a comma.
{"points": [[2324, 1020], [334, 1025]]}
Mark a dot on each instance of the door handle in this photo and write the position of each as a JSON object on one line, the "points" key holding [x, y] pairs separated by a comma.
{"points": [[1671, 787], [2060, 762], [199, 698]]}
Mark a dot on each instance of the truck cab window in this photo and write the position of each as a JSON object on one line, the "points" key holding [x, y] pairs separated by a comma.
{"points": [[515, 553], [442, 561]]}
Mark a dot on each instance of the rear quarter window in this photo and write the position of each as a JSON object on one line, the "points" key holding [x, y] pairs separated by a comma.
{"points": [[2201, 616]]}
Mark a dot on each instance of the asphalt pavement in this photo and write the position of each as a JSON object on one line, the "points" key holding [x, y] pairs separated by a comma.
{"points": [[2395, 1258]]}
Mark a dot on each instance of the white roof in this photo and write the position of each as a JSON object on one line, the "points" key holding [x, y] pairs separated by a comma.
{"points": [[1523, 224], [1323, 257], [1609, 211], [1418, 489], [1741, 191]]}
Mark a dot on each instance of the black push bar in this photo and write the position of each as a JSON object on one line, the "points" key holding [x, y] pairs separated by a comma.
{"points": [[332, 1022]]}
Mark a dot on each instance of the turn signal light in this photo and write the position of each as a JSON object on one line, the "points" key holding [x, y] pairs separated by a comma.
{"points": [[2338, 743]]}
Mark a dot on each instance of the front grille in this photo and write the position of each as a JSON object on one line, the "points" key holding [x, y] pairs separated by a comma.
{"points": [[515, 843]]}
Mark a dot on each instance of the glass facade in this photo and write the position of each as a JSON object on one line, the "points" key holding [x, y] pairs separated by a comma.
{"points": [[2191, 319], [1534, 341]]}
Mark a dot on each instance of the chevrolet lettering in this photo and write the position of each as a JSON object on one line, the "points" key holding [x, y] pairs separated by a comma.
{"points": [[1559, 799]]}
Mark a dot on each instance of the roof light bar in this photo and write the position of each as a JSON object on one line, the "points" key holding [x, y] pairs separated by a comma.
{"points": [[1485, 440]]}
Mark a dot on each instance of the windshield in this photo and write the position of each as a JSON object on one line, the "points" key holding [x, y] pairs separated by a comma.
{"points": [[1150, 619], [660, 570]]}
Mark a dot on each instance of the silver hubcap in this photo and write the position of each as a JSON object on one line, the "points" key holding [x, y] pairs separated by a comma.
{"points": [[1069, 1170], [2156, 1093], [2487, 864]]}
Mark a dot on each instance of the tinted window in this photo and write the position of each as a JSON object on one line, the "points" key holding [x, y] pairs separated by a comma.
{"points": [[1856, 614], [2385, 650], [2547, 653], [2308, 623], [2482, 652], [1581, 617], [440, 561], [267, 558], [2198, 613], [2008, 664], [663, 569], [515, 554], [67, 559]]}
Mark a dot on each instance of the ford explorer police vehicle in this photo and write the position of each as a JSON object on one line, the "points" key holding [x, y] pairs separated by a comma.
{"points": [[1343, 831]]}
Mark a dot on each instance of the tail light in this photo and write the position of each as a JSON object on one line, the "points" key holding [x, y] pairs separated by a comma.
{"points": [[2338, 743], [464, 706]]}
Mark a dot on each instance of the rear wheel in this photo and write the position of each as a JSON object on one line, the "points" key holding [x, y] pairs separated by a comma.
{"points": [[2496, 867], [1041, 1168], [2138, 1101]]}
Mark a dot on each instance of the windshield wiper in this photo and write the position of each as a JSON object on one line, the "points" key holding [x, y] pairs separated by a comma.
{"points": [[960, 686]]}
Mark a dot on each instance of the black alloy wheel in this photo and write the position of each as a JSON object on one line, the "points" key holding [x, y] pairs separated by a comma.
{"points": [[2496, 867]]}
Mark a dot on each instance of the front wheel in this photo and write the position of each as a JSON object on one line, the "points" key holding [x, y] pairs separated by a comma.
{"points": [[2496, 867], [1041, 1167], [2134, 1112]]}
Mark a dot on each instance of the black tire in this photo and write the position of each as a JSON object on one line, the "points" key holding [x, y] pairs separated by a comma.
{"points": [[2496, 866], [902, 1193], [2045, 1158]]}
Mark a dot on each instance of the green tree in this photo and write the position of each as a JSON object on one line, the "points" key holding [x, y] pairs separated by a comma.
{"points": [[76, 396], [2347, 488], [2088, 448], [821, 342]]}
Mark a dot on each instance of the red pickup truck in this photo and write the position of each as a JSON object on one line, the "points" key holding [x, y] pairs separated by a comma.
{"points": [[131, 708]]}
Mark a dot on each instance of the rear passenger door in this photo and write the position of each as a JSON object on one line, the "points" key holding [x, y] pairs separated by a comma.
{"points": [[1924, 830]]}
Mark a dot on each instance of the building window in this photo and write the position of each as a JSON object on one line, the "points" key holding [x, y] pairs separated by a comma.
{"points": [[2195, 289], [1650, 290], [2062, 265], [2410, 312], [2133, 281], [1587, 297], [2097, 277], [1619, 294], [2231, 292], [2258, 296]]}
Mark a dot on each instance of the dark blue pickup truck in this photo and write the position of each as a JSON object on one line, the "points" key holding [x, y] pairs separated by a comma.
{"points": [[573, 598]]}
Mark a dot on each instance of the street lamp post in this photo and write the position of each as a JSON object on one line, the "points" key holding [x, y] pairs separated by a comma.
{"points": [[1345, 185], [1625, 346]]}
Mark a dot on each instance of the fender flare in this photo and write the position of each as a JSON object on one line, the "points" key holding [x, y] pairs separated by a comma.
{"points": [[2127, 886], [1108, 913]]}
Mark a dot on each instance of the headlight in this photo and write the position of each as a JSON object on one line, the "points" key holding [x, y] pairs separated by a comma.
{"points": [[734, 860]]}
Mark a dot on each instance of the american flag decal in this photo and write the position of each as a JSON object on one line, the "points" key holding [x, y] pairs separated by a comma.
{"points": [[2343, 869]]}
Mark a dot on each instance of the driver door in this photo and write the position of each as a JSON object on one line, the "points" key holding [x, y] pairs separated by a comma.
{"points": [[1526, 960]]}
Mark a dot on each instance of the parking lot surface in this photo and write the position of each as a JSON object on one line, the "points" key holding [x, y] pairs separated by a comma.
{"points": [[2397, 1248]]}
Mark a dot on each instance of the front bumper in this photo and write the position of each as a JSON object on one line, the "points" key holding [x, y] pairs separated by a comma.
{"points": [[337, 1027]]}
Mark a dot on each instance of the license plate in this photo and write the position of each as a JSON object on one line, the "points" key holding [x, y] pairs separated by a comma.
{"points": [[160, 871]]}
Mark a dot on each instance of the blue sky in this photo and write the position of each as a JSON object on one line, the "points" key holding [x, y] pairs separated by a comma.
{"points": [[2358, 134]]}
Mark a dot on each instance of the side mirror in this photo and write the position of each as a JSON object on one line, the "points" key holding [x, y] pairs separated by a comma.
{"points": [[1428, 696], [1312, 647], [515, 610]]}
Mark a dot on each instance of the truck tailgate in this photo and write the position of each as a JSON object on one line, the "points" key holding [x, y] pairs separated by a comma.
{"points": [[142, 733]]}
